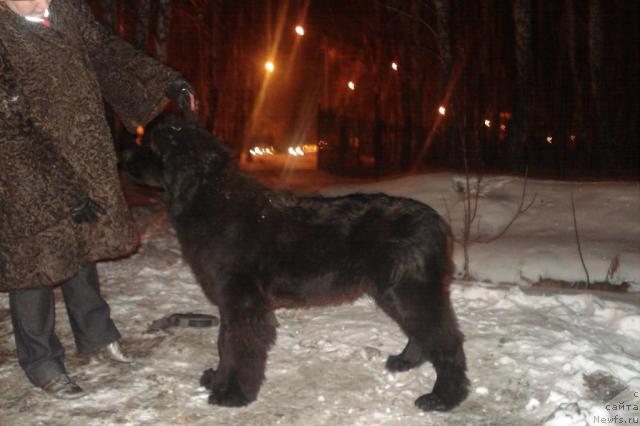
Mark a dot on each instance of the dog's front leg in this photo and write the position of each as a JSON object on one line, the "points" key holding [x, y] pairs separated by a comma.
{"points": [[216, 379], [243, 344]]}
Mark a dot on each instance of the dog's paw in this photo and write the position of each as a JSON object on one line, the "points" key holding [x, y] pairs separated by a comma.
{"points": [[432, 402], [208, 378], [396, 363], [228, 398]]}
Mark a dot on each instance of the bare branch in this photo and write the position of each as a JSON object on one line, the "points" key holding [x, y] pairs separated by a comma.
{"points": [[449, 220], [477, 198], [575, 228], [517, 214], [446, 206], [410, 16]]}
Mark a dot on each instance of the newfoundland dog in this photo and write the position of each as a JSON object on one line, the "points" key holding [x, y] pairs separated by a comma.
{"points": [[254, 250]]}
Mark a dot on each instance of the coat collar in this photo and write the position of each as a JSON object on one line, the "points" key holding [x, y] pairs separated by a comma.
{"points": [[15, 22], [15, 28]]}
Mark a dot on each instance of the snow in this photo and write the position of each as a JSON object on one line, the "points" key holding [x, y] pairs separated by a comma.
{"points": [[535, 356]]}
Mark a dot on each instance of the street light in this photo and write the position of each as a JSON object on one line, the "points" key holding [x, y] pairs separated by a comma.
{"points": [[269, 66], [442, 110], [351, 85], [300, 30], [394, 65]]}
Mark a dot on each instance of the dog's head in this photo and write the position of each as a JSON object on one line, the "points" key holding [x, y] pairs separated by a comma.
{"points": [[176, 139], [177, 147], [173, 148]]}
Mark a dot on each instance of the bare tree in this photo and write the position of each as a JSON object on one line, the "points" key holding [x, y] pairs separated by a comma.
{"points": [[162, 28], [443, 12], [576, 75], [577, 234], [523, 114], [142, 27], [110, 12], [596, 68]]}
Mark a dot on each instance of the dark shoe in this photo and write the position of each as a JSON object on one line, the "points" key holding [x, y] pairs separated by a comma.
{"points": [[62, 387], [115, 352]]}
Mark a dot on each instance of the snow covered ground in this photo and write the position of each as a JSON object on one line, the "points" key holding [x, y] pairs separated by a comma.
{"points": [[535, 356]]}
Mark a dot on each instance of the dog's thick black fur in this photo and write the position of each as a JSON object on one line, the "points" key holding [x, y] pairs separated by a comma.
{"points": [[254, 250]]}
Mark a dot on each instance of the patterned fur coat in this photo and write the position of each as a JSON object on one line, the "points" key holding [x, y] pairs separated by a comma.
{"points": [[55, 144]]}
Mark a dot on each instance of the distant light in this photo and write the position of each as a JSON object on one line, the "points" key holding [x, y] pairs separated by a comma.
{"points": [[394, 66], [549, 139], [351, 85], [257, 151], [503, 127], [299, 30], [296, 152], [269, 66], [442, 110], [572, 138], [487, 123], [139, 135], [310, 148]]}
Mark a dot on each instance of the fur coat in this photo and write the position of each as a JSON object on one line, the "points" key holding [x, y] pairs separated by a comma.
{"points": [[55, 144]]}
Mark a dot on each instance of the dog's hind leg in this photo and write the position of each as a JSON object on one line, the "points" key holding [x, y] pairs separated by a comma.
{"points": [[447, 356], [426, 317], [412, 355]]}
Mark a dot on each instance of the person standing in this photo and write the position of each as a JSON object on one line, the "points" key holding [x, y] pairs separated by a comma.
{"points": [[61, 205]]}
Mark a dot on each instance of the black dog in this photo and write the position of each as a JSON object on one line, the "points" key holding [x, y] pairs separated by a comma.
{"points": [[254, 250]]}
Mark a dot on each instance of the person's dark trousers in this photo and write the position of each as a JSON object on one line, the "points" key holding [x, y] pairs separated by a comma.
{"points": [[40, 353]]}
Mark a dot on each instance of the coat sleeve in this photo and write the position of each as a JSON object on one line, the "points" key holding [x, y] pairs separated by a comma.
{"points": [[38, 187], [133, 83]]}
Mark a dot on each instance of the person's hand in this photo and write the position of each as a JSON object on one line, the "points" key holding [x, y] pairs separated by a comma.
{"points": [[181, 92], [87, 211]]}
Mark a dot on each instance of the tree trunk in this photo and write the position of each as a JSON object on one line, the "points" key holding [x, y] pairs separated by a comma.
{"points": [[572, 49], [443, 12], [600, 155], [444, 18], [162, 28], [523, 114], [110, 13], [142, 27]]}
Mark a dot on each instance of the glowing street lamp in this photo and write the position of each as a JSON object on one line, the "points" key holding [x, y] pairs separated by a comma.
{"points": [[139, 135], [487, 123], [351, 85], [269, 66], [394, 65], [300, 30], [549, 139], [442, 110]]}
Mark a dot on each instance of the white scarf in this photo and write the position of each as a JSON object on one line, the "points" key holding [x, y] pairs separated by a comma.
{"points": [[38, 19]]}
